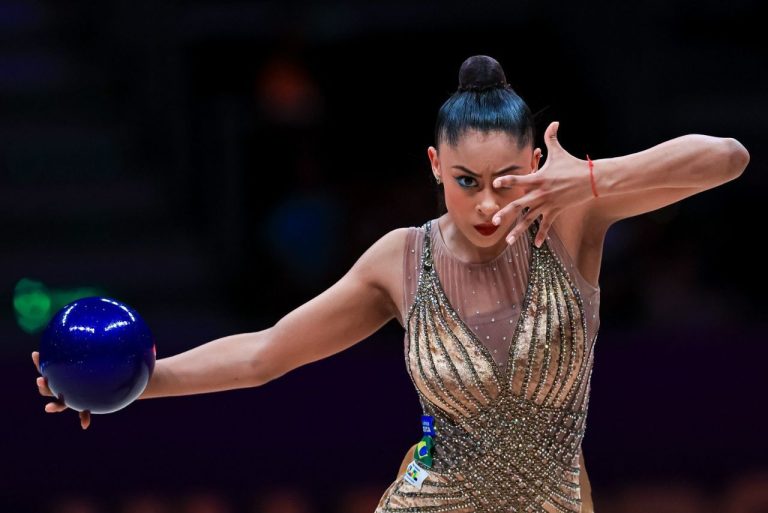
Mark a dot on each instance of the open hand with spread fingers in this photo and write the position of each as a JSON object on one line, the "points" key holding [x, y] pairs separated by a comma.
{"points": [[562, 182], [58, 405]]}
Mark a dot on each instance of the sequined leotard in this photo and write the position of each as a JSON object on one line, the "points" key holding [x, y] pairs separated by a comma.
{"points": [[502, 359]]}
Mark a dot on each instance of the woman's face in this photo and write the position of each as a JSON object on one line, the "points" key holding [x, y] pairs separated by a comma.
{"points": [[467, 172]]}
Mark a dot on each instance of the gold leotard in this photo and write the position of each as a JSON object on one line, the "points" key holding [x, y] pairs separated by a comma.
{"points": [[505, 374]]}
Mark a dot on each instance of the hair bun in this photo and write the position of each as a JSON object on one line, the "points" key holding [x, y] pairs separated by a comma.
{"points": [[480, 72]]}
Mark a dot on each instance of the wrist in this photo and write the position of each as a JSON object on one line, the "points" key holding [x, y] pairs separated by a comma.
{"points": [[604, 177], [591, 166], [154, 384]]}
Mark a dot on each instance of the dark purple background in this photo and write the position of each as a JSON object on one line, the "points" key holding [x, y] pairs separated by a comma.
{"points": [[142, 151]]}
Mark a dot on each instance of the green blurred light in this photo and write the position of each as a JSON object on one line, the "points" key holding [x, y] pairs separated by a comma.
{"points": [[34, 304]]}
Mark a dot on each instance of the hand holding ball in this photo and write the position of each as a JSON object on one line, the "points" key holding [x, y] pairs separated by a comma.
{"points": [[97, 355]]}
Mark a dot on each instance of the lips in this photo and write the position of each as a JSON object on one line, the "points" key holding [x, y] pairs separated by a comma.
{"points": [[486, 228]]}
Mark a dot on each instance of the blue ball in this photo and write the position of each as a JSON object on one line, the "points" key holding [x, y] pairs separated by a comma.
{"points": [[97, 354]]}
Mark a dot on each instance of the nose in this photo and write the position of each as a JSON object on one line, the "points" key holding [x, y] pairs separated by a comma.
{"points": [[488, 205]]}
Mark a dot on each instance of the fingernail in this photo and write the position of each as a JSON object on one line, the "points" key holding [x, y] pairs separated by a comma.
{"points": [[496, 220], [510, 239], [497, 183]]}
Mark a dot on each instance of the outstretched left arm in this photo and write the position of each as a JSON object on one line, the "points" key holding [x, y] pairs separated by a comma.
{"points": [[626, 186], [664, 174]]}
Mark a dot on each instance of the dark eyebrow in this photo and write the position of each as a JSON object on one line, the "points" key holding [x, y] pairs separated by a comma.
{"points": [[508, 168]]}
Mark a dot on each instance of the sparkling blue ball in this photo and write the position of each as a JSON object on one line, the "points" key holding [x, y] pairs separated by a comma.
{"points": [[97, 354]]}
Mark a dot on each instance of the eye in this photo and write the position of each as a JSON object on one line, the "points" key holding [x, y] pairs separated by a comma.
{"points": [[462, 183]]}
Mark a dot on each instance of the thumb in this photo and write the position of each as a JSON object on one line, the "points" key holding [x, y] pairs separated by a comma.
{"points": [[550, 138]]}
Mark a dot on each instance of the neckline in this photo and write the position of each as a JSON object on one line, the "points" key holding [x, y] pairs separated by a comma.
{"points": [[439, 237], [502, 372]]}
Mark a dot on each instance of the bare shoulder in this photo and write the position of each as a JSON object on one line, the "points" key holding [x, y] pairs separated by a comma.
{"points": [[583, 237], [382, 265]]}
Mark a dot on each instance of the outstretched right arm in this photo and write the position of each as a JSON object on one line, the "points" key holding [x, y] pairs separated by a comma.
{"points": [[357, 305]]}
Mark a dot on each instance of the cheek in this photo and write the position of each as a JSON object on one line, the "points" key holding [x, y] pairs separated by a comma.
{"points": [[456, 198]]}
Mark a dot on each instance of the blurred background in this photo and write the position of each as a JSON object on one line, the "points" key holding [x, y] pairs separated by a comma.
{"points": [[217, 164]]}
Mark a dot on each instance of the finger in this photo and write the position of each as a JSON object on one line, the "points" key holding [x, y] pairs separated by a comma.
{"points": [[85, 419], [510, 209], [507, 181], [522, 224], [42, 387], [55, 407], [550, 138], [36, 360], [541, 235]]}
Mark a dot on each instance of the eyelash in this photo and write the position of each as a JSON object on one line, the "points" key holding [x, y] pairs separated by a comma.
{"points": [[458, 178]]}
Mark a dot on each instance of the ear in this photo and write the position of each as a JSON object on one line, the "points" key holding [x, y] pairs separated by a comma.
{"points": [[434, 161], [536, 158]]}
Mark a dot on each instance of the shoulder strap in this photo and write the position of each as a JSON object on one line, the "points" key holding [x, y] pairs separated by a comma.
{"points": [[426, 254]]}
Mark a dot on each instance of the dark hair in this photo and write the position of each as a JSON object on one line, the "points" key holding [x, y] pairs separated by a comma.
{"points": [[484, 101]]}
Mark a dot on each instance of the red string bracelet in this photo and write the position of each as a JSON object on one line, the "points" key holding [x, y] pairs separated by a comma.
{"points": [[592, 176]]}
